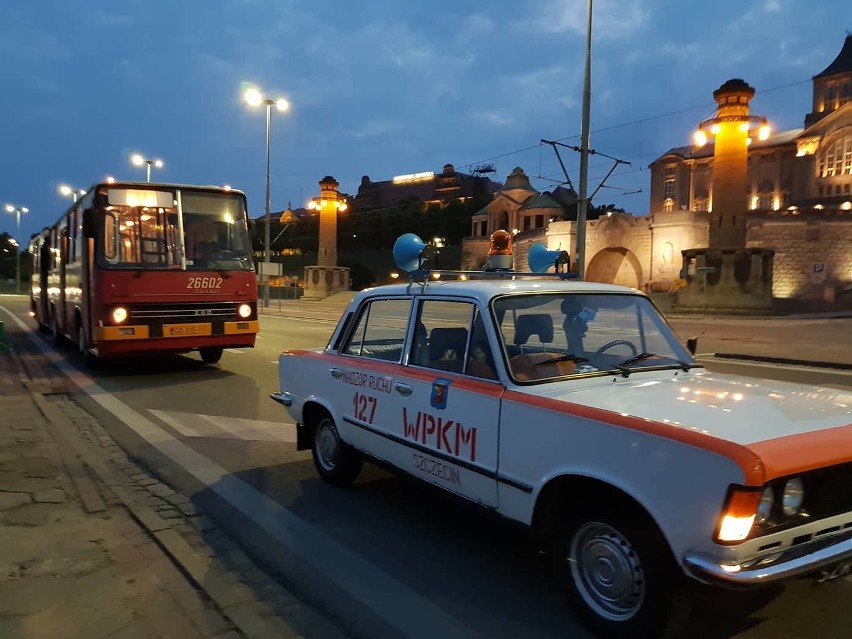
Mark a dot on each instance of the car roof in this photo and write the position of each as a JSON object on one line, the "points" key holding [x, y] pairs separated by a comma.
{"points": [[485, 290]]}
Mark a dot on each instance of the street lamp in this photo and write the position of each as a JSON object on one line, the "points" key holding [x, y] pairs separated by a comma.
{"points": [[68, 191], [17, 211], [254, 97], [138, 160]]}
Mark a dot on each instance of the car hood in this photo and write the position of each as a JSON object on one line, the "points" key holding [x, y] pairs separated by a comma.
{"points": [[741, 410]]}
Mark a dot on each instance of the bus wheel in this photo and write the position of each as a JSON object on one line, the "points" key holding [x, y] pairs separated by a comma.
{"points": [[89, 359], [210, 354], [58, 338]]}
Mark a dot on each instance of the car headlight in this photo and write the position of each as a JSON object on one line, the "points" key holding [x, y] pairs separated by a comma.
{"points": [[244, 311], [793, 496], [119, 315], [764, 509]]}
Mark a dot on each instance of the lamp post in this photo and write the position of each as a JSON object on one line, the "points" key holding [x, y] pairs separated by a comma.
{"points": [[67, 191], [138, 160], [254, 97], [17, 211]]}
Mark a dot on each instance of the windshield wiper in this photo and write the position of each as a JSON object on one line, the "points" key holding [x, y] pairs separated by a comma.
{"points": [[562, 358], [643, 356]]}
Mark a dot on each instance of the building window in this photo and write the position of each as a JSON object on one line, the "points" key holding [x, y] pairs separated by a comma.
{"points": [[701, 204], [836, 159], [668, 204], [669, 189], [539, 221], [527, 219], [764, 202]]}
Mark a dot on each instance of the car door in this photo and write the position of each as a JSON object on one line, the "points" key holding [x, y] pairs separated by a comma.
{"points": [[365, 374], [449, 418]]}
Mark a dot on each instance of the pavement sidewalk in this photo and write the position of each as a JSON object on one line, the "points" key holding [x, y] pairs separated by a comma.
{"points": [[73, 562]]}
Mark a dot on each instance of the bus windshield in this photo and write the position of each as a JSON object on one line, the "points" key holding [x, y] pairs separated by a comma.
{"points": [[142, 230]]}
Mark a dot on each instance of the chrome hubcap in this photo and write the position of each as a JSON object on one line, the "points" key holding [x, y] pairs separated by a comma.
{"points": [[327, 445], [606, 571]]}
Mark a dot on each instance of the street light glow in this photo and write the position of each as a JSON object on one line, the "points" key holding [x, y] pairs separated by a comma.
{"points": [[253, 97], [10, 208], [282, 105], [138, 160], [65, 190]]}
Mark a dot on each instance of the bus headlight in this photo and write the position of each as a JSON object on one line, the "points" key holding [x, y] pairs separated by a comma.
{"points": [[244, 311], [794, 495], [119, 315]]}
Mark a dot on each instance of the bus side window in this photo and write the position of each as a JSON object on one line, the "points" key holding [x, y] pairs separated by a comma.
{"points": [[111, 239]]}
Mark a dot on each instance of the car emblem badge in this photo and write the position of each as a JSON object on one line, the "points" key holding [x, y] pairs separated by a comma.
{"points": [[440, 393]]}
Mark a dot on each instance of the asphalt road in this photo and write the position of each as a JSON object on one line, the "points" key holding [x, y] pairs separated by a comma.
{"points": [[390, 557]]}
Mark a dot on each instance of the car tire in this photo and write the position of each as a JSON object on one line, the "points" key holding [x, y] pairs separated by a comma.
{"points": [[336, 462], [618, 573], [211, 354]]}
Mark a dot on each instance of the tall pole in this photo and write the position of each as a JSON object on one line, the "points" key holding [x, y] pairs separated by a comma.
{"points": [[148, 163], [585, 143], [266, 248], [18, 252]]}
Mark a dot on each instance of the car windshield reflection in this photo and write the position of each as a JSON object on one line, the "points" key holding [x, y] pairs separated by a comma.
{"points": [[548, 336]]}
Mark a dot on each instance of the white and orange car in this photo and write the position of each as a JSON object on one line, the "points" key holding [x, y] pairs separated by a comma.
{"points": [[573, 408]]}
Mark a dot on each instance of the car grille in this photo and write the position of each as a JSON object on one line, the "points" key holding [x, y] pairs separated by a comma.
{"points": [[828, 491], [185, 312]]}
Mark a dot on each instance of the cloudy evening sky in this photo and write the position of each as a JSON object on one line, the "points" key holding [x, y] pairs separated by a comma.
{"points": [[379, 87]]}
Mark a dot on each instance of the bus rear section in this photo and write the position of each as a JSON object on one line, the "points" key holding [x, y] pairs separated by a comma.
{"points": [[144, 268]]}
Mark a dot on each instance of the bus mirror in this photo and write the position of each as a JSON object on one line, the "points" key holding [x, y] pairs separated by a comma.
{"points": [[88, 223]]}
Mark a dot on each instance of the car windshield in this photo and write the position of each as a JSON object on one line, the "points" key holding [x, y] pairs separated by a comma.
{"points": [[548, 336], [142, 230]]}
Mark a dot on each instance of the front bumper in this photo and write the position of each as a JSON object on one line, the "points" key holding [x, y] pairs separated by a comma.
{"points": [[808, 559], [285, 399]]}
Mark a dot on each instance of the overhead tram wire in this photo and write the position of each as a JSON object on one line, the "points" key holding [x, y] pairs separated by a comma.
{"points": [[601, 130]]}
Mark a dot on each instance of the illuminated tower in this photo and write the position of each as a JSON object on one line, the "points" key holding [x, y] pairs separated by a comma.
{"points": [[327, 278], [725, 276], [328, 204], [730, 126]]}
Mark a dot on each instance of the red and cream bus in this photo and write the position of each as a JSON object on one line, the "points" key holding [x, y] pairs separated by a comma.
{"points": [[136, 268]]}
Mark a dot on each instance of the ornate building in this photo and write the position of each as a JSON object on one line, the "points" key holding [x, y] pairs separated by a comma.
{"points": [[809, 167], [797, 199]]}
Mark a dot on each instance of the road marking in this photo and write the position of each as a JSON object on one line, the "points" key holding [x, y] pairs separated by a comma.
{"points": [[388, 599], [196, 425], [236, 351]]}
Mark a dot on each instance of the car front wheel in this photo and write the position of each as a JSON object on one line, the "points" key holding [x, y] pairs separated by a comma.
{"points": [[335, 461], [618, 573]]}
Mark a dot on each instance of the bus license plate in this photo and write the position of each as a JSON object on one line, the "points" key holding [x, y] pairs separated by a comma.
{"points": [[185, 330]]}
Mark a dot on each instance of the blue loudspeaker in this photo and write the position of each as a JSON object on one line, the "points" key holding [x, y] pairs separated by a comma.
{"points": [[540, 258], [407, 251]]}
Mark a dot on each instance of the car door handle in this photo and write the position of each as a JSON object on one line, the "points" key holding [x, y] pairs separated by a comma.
{"points": [[336, 373], [403, 389]]}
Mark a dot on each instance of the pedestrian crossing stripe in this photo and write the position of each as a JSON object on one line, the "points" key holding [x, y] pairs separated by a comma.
{"points": [[211, 426]]}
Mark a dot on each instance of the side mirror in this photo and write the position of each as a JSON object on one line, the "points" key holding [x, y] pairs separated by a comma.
{"points": [[692, 345], [88, 223]]}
